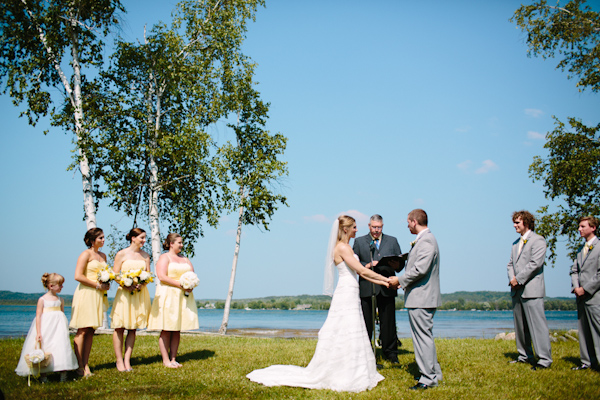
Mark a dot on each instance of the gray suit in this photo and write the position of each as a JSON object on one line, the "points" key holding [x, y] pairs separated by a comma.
{"points": [[531, 327], [585, 273], [422, 296]]}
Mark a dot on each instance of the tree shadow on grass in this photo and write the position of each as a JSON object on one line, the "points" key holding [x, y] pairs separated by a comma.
{"points": [[181, 357]]}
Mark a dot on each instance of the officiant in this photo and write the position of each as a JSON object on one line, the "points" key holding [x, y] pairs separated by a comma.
{"points": [[370, 249]]}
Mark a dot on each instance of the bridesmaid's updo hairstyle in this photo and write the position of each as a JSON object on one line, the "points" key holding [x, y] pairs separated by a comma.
{"points": [[48, 279], [171, 238], [346, 222], [91, 236], [135, 232]]}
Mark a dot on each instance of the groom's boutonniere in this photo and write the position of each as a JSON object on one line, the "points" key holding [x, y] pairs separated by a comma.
{"points": [[412, 244], [591, 246], [525, 241]]}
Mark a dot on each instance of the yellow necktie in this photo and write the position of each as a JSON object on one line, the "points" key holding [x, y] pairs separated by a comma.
{"points": [[521, 244], [586, 248]]}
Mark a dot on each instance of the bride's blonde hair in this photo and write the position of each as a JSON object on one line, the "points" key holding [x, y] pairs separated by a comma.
{"points": [[346, 222]]}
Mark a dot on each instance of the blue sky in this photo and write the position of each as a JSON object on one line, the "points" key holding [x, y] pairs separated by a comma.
{"points": [[388, 106]]}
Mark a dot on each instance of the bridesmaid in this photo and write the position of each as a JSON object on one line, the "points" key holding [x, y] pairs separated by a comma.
{"points": [[89, 299], [132, 303], [174, 308]]}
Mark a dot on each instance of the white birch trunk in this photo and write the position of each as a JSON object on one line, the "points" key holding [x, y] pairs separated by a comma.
{"points": [[74, 95], [153, 126], [86, 178], [153, 214], [153, 211], [223, 328]]}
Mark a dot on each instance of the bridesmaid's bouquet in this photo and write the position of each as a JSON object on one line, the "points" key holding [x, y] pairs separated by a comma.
{"points": [[189, 280], [133, 278], [106, 274]]}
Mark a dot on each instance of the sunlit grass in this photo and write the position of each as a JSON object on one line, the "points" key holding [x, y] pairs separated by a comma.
{"points": [[215, 368]]}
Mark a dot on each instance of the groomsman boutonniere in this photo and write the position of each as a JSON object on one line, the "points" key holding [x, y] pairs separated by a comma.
{"points": [[524, 242], [412, 244], [591, 247]]}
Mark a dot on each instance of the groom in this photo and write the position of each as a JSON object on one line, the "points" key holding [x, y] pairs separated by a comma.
{"points": [[369, 249], [421, 284]]}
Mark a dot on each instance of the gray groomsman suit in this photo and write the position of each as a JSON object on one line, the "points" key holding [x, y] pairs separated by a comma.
{"points": [[422, 296], [585, 273], [531, 326]]}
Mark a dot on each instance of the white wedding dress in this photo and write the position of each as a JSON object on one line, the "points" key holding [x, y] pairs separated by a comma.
{"points": [[343, 359]]}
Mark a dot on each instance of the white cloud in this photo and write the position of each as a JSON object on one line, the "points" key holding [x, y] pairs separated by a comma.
{"points": [[534, 112], [361, 219], [535, 135], [465, 165], [320, 218], [486, 166]]}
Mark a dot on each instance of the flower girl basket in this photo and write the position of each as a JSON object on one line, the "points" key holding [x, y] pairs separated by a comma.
{"points": [[37, 358]]}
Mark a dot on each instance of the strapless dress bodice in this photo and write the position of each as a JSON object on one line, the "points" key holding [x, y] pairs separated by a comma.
{"points": [[175, 270], [92, 268]]}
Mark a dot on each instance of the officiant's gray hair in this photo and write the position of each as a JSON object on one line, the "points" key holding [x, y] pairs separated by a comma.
{"points": [[377, 218]]}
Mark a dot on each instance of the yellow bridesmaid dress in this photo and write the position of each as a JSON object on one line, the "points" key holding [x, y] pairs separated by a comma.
{"points": [[171, 309], [88, 302], [130, 310]]}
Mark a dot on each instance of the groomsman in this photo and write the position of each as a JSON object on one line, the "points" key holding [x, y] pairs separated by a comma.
{"points": [[585, 283], [422, 296], [369, 249], [526, 280]]}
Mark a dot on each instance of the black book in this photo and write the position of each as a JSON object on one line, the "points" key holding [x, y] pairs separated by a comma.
{"points": [[396, 262]]}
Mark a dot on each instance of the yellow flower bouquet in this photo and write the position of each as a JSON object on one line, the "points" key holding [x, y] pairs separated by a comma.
{"points": [[134, 278], [106, 274]]}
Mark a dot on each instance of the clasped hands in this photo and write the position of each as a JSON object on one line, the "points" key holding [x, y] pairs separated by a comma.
{"points": [[393, 282], [513, 283]]}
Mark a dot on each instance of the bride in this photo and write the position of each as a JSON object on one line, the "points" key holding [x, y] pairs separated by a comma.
{"points": [[343, 359]]}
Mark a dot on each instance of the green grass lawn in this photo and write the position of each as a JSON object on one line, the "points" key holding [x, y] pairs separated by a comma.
{"points": [[215, 368]]}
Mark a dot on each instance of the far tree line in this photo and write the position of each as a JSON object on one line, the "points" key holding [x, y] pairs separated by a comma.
{"points": [[550, 304]]}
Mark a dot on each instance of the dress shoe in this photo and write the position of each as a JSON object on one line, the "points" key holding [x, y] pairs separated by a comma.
{"points": [[538, 366], [582, 367], [518, 362], [419, 386], [393, 360]]}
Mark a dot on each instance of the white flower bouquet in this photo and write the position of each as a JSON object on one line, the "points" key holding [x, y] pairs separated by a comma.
{"points": [[189, 280]]}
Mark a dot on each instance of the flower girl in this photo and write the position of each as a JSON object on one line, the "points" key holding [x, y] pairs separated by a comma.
{"points": [[50, 329]]}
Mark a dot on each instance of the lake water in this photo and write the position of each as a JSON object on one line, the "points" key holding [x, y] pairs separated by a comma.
{"points": [[15, 321]]}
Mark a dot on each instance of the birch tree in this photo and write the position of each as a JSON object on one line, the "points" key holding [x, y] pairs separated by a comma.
{"points": [[157, 100], [571, 172], [46, 46], [253, 166]]}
